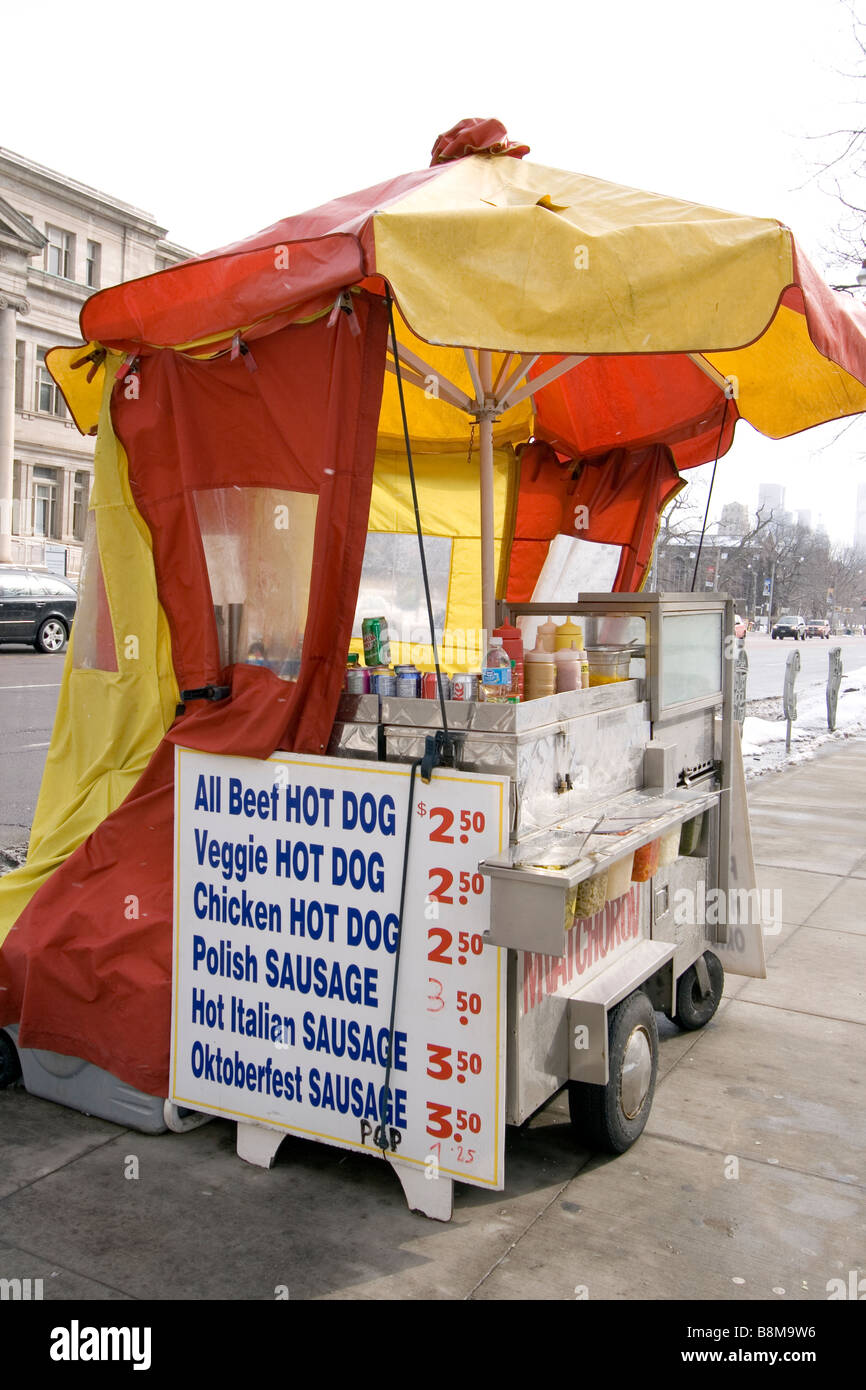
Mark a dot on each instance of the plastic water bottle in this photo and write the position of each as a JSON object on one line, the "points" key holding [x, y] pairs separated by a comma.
{"points": [[496, 673]]}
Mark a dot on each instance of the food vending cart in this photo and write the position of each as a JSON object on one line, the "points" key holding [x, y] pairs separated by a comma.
{"points": [[542, 867], [390, 923]]}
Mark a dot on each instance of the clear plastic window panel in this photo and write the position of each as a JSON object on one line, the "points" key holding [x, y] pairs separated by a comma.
{"points": [[258, 545], [691, 665], [392, 585], [93, 646]]}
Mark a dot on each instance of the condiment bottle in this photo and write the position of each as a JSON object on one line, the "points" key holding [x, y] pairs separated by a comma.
{"points": [[512, 640], [584, 670], [567, 661], [539, 673], [545, 637], [568, 634]]}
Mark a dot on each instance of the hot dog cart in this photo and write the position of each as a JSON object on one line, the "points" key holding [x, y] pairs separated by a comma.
{"points": [[393, 924], [599, 778]]}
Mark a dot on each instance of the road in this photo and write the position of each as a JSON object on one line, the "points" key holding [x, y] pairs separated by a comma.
{"points": [[767, 660], [29, 688]]}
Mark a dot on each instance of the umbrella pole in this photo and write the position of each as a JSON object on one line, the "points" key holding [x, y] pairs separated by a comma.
{"points": [[488, 547]]}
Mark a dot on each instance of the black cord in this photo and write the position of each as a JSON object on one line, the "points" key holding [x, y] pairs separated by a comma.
{"points": [[390, 303], [386, 1089], [709, 495]]}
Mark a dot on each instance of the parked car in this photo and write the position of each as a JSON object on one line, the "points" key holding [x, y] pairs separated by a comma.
{"points": [[740, 626], [36, 607], [819, 627], [791, 626]]}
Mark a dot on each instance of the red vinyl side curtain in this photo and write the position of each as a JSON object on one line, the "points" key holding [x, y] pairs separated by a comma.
{"points": [[87, 972], [616, 499]]}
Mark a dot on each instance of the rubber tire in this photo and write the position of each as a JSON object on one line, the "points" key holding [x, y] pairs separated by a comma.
{"points": [[692, 1011], [595, 1111], [40, 644], [10, 1067]]}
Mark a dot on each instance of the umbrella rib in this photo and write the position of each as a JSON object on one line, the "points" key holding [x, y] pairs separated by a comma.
{"points": [[442, 386], [538, 382], [527, 361], [473, 372], [500, 375], [724, 383]]}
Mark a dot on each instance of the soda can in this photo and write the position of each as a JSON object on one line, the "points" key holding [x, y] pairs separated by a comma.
{"points": [[408, 683], [377, 646], [464, 687], [384, 683], [358, 680], [430, 686]]}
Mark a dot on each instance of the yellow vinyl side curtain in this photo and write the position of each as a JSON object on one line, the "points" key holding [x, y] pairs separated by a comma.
{"points": [[109, 721], [448, 498]]}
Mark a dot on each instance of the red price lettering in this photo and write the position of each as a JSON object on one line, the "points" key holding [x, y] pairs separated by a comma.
{"points": [[471, 1122], [438, 1123], [473, 882], [465, 1001], [438, 952], [472, 943], [465, 1155], [469, 1061], [446, 878], [472, 821], [446, 820], [438, 1065], [435, 999]]}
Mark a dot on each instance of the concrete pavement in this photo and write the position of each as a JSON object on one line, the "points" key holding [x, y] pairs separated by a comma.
{"points": [[748, 1183]]}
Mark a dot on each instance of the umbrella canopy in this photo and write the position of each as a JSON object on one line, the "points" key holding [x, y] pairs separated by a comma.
{"points": [[613, 320], [487, 250]]}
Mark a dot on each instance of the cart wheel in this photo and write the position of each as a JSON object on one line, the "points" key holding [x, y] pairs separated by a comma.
{"points": [[693, 1008], [10, 1067], [612, 1117]]}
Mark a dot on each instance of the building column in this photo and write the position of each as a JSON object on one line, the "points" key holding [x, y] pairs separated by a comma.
{"points": [[10, 305]]}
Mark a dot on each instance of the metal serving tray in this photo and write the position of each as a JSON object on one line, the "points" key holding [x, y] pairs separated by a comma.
{"points": [[528, 904]]}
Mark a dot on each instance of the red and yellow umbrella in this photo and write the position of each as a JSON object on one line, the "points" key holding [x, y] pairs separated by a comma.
{"points": [[608, 322]]}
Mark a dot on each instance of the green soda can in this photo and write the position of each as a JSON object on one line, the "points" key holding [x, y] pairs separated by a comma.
{"points": [[377, 645]]}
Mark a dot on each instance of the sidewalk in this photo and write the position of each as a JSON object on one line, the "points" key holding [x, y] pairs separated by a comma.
{"points": [[748, 1183]]}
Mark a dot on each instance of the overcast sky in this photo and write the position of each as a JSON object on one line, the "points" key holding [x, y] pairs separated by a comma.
{"points": [[219, 120]]}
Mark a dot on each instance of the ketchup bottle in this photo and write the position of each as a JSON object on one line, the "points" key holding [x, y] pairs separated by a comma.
{"points": [[512, 641]]}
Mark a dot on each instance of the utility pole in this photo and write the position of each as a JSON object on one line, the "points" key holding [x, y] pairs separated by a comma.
{"points": [[772, 588]]}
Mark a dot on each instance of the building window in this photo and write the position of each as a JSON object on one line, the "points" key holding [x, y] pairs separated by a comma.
{"points": [[60, 253], [49, 401], [45, 502], [92, 264], [80, 498]]}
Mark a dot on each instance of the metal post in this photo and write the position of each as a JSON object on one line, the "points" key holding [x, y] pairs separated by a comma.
{"points": [[488, 522], [834, 680], [772, 588], [789, 694]]}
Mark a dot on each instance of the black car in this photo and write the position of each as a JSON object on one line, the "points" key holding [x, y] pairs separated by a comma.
{"points": [[35, 607]]}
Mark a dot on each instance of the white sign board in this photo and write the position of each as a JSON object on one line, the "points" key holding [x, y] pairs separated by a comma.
{"points": [[287, 893]]}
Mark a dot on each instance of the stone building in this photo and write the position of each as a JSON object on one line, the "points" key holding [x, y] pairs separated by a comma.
{"points": [[59, 242]]}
